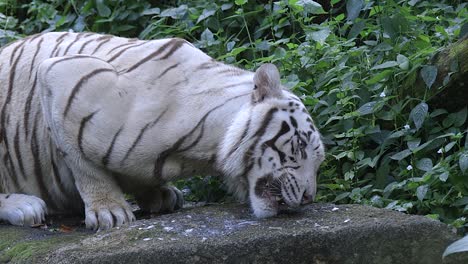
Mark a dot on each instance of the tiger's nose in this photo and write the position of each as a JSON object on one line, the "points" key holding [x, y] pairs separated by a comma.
{"points": [[307, 199]]}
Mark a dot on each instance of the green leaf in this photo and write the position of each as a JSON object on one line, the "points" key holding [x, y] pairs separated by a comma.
{"points": [[418, 114], [207, 36], [320, 36], [311, 7], [463, 30], [463, 161], [349, 175], [429, 75], [460, 245], [444, 176], [226, 6], [401, 155], [367, 108], [413, 144], [356, 29], [387, 64], [102, 9], [151, 11], [341, 196], [466, 141], [123, 28], [459, 118], [240, 2], [379, 76], [175, 13], [449, 146], [205, 14], [424, 164], [353, 8], [461, 201], [403, 62], [421, 191]]}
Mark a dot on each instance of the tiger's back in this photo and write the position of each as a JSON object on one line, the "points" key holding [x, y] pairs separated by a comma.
{"points": [[24, 135]]}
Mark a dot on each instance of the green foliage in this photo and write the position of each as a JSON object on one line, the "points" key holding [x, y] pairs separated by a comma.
{"points": [[354, 66], [460, 245]]}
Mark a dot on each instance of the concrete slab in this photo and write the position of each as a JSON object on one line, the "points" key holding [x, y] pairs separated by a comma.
{"points": [[317, 233]]}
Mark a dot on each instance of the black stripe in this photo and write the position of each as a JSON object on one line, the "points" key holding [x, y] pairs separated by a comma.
{"points": [[271, 143], [293, 121], [224, 87], [56, 54], [244, 134], [195, 142], [105, 159], [140, 135], [11, 79], [208, 65], [66, 59], [34, 37], [59, 41], [265, 122], [11, 171], [15, 49], [84, 45], [293, 191], [16, 145], [174, 48], [56, 174], [27, 107], [119, 46], [287, 192], [83, 124], [89, 34], [248, 164], [165, 154], [38, 165], [78, 86], [138, 138], [295, 182], [39, 44], [118, 54], [104, 39], [167, 69], [174, 43], [78, 36]]}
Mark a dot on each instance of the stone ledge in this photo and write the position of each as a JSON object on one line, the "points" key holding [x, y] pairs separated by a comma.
{"points": [[318, 233]]}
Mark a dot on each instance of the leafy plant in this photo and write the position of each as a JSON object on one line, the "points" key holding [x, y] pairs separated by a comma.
{"points": [[460, 245], [357, 65]]}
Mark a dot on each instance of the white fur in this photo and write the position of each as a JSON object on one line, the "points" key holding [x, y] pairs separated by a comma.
{"points": [[127, 116]]}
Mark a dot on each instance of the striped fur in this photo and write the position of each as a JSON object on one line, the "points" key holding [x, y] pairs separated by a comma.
{"points": [[85, 118]]}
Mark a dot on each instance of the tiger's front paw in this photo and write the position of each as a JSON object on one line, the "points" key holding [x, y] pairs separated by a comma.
{"points": [[164, 199], [105, 214], [21, 209]]}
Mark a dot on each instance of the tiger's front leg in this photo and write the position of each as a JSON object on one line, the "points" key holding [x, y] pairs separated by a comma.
{"points": [[80, 102], [105, 205]]}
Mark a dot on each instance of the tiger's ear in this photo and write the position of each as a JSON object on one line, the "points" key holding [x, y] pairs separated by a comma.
{"points": [[267, 83]]}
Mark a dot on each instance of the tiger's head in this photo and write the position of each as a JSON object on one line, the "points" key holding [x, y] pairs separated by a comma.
{"points": [[272, 151]]}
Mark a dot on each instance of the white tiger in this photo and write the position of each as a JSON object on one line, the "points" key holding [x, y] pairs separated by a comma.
{"points": [[86, 118]]}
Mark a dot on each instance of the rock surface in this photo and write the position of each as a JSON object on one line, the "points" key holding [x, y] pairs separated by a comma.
{"points": [[317, 233]]}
